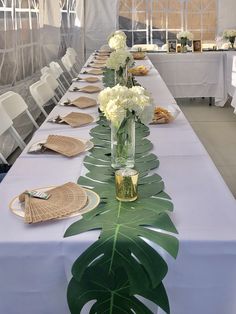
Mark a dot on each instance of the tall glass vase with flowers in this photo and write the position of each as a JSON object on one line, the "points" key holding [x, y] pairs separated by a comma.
{"points": [[184, 37], [117, 65], [122, 106], [230, 34]]}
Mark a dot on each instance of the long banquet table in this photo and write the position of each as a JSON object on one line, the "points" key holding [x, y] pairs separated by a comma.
{"points": [[194, 74], [35, 260]]}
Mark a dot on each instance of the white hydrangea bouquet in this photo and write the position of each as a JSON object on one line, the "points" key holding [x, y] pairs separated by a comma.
{"points": [[183, 37], [117, 40], [117, 65], [186, 35], [230, 34], [119, 59], [122, 106], [118, 101], [116, 71]]}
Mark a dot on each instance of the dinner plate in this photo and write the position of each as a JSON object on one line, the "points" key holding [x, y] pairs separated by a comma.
{"points": [[35, 148], [17, 207]]}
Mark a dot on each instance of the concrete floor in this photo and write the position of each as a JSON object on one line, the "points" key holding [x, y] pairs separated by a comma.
{"points": [[216, 129]]}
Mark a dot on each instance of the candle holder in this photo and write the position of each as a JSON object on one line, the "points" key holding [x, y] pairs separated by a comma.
{"points": [[126, 181]]}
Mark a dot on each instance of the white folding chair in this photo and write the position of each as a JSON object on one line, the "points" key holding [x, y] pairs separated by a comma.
{"points": [[73, 56], [6, 124], [58, 73], [15, 105], [53, 83], [42, 94], [72, 51], [44, 70], [68, 65]]}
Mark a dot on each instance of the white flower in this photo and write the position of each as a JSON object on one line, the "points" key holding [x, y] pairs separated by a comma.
{"points": [[229, 33], [117, 40], [119, 59], [185, 34], [116, 101]]}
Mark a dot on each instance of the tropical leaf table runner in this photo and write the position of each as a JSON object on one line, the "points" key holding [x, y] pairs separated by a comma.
{"points": [[122, 264]]}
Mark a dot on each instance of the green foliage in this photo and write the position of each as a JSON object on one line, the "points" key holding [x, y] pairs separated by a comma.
{"points": [[108, 78], [121, 265]]}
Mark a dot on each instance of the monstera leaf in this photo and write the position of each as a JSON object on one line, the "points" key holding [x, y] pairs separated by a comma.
{"points": [[111, 292], [124, 261]]}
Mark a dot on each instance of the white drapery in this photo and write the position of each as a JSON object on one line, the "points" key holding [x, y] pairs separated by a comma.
{"points": [[33, 33]]}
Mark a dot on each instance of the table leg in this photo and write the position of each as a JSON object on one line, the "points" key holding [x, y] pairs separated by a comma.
{"points": [[211, 101]]}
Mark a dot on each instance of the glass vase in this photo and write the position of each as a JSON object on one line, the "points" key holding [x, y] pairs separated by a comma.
{"points": [[232, 40], [121, 76], [183, 42], [123, 143]]}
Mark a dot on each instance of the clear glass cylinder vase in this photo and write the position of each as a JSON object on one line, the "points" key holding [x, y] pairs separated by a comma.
{"points": [[123, 143], [121, 76], [232, 40], [183, 42]]}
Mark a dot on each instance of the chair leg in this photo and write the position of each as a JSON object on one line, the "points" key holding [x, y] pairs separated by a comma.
{"points": [[17, 137], [54, 101], [74, 72], [32, 119], [56, 97], [71, 73], [211, 101], [43, 111], [3, 159], [61, 85], [65, 79], [60, 91]]}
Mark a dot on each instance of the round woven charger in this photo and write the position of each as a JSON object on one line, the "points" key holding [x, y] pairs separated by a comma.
{"points": [[64, 200]]}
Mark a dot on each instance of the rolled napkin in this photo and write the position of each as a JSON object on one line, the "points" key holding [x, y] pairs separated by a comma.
{"points": [[64, 200]]}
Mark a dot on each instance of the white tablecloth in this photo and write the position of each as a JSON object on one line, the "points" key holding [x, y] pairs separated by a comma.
{"points": [[231, 76], [35, 260], [193, 74]]}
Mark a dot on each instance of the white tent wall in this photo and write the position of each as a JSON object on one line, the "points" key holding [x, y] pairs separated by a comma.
{"points": [[27, 43], [226, 15], [50, 23], [101, 18]]}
